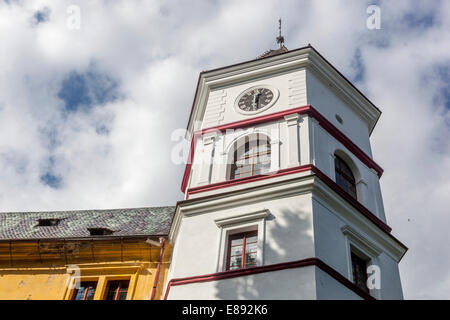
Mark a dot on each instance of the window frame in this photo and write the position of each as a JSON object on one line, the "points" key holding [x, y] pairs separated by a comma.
{"points": [[75, 291], [250, 146], [357, 260], [244, 222], [117, 272], [369, 251], [116, 294], [351, 180], [245, 235]]}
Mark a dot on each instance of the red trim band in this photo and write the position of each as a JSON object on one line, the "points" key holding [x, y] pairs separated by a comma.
{"points": [[329, 182], [230, 183], [309, 110], [270, 268]]}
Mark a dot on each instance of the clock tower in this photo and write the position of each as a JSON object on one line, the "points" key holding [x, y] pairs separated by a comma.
{"points": [[282, 194]]}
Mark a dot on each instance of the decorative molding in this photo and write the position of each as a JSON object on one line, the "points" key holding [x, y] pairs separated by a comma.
{"points": [[293, 60], [229, 183], [241, 223], [330, 183], [215, 108], [260, 214], [355, 237], [292, 119], [322, 121], [303, 182], [270, 268], [297, 88], [362, 181]]}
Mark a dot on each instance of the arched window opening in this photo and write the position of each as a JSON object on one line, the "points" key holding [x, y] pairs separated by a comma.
{"points": [[344, 176], [251, 158]]}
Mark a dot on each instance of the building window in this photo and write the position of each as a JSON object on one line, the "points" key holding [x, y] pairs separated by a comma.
{"points": [[48, 222], [252, 158], [117, 290], [86, 291], [344, 177], [359, 267], [242, 250], [100, 231]]}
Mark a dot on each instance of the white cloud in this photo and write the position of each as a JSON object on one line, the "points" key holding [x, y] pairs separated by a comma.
{"points": [[155, 50]]}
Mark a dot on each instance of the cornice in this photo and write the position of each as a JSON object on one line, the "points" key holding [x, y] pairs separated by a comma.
{"points": [[308, 180], [290, 113], [306, 57]]}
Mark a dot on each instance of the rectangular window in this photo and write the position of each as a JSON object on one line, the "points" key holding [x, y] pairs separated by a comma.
{"points": [[242, 250], [117, 290], [359, 267], [86, 291]]}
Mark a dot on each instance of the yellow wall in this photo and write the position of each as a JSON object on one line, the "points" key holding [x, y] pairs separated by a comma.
{"points": [[39, 279], [32, 284]]}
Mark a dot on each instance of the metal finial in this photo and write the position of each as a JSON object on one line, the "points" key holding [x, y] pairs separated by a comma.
{"points": [[280, 38]]}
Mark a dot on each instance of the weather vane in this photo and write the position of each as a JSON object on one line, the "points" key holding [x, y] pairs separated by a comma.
{"points": [[280, 38]]}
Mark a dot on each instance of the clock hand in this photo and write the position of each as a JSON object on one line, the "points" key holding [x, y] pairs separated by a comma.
{"points": [[255, 102]]}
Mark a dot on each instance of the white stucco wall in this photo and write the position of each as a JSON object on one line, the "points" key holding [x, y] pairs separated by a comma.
{"points": [[294, 284], [288, 226], [332, 247], [327, 288], [220, 106], [325, 100]]}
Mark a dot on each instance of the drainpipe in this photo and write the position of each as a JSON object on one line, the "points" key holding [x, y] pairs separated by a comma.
{"points": [[158, 268]]}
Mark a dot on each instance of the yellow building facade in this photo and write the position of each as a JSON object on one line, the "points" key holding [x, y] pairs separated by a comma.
{"points": [[97, 266]]}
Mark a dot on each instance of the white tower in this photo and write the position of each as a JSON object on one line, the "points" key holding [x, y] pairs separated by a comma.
{"points": [[282, 199]]}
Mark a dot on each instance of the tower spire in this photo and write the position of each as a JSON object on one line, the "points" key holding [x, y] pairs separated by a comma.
{"points": [[281, 48], [280, 38]]}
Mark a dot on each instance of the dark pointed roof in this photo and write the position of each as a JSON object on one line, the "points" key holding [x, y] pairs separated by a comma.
{"points": [[270, 53]]}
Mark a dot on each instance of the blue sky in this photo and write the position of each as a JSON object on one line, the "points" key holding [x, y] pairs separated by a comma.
{"points": [[86, 115]]}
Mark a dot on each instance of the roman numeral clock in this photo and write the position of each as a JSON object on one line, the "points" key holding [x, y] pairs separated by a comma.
{"points": [[256, 99]]}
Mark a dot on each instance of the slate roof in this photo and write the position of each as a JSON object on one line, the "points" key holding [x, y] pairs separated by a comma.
{"points": [[74, 224]]}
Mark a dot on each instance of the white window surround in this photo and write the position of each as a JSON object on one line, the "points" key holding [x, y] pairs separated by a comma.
{"points": [[361, 245], [253, 221]]}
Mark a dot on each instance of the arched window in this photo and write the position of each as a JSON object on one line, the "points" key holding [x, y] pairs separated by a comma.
{"points": [[251, 158], [344, 176]]}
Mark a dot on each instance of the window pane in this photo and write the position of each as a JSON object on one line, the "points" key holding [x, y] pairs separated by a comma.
{"points": [[251, 159], [344, 177], [235, 262], [251, 239], [86, 291], [117, 290], [123, 292], [237, 250], [250, 259], [80, 294], [251, 247], [359, 272], [90, 294], [237, 241]]}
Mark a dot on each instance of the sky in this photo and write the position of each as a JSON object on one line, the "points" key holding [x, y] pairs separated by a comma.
{"points": [[91, 92]]}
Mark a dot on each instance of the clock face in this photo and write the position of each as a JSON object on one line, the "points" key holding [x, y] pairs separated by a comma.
{"points": [[255, 99]]}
